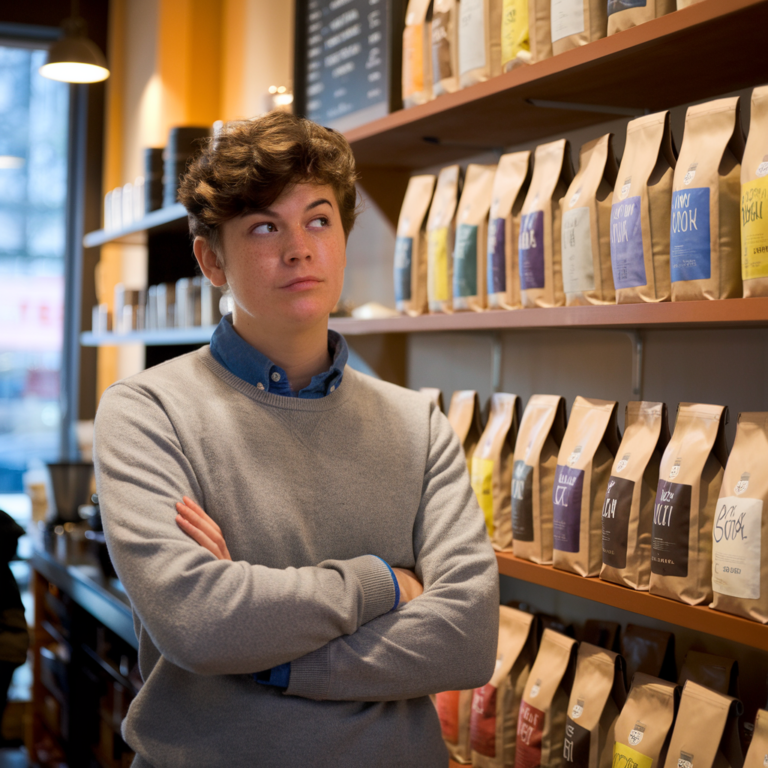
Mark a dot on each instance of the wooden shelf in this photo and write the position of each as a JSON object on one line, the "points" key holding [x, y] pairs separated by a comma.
{"points": [[173, 217], [197, 335], [697, 618]]}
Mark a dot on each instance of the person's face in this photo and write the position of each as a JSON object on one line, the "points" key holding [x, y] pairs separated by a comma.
{"points": [[284, 265]]}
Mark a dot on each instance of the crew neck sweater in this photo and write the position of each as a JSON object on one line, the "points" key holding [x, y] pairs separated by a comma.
{"points": [[309, 494]]}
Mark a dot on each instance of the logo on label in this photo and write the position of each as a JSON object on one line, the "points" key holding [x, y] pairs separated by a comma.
{"points": [[465, 213], [578, 709], [762, 169], [636, 734], [685, 761], [494, 207], [625, 189], [622, 465], [675, 471], [535, 690], [691, 173], [527, 450], [742, 485], [575, 198], [535, 200], [611, 484], [574, 457], [765, 761]]}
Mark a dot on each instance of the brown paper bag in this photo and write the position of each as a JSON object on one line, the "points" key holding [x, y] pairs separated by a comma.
{"points": [[539, 15], [648, 651], [719, 673], [417, 54], [577, 22], [705, 227], [515, 35], [538, 443], [441, 230], [464, 417], [541, 720], [690, 475], [581, 480], [434, 394], [445, 46], [624, 14], [640, 213], [469, 256], [740, 533], [453, 710], [754, 199], [629, 500], [598, 694], [479, 41], [509, 187], [586, 226], [539, 265], [757, 755], [495, 706], [411, 247]]}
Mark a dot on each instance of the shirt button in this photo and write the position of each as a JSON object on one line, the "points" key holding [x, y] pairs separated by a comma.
{"points": [[275, 376], [333, 387], [259, 385]]}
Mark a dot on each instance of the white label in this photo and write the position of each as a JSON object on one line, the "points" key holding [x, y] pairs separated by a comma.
{"points": [[675, 471], [574, 457], [765, 759], [567, 18], [635, 737], [688, 177], [736, 547], [622, 465], [535, 690], [578, 709], [471, 35], [742, 485], [575, 198], [578, 267], [625, 188], [762, 169]]}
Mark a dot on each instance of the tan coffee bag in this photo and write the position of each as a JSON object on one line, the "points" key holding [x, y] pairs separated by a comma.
{"points": [[541, 720], [705, 230], [690, 476], [434, 394], [492, 462], [576, 23], [464, 417], [648, 651], [719, 673], [740, 532], [411, 247], [581, 480], [445, 46], [441, 230], [754, 199], [479, 41], [417, 54], [454, 709], [757, 754], [629, 500], [509, 187], [495, 706], [624, 14], [586, 226], [515, 35], [469, 254], [538, 443], [541, 278], [539, 15], [640, 214]]}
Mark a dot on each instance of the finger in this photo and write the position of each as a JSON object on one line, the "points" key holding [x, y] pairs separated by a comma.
{"points": [[213, 535], [200, 521], [196, 534], [192, 504]]}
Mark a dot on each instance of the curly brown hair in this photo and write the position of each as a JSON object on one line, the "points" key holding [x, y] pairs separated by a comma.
{"points": [[249, 163]]}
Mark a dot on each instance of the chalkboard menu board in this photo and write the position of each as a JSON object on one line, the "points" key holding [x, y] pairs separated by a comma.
{"points": [[348, 60]]}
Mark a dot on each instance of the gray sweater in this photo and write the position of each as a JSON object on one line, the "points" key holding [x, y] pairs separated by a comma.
{"points": [[306, 493]]}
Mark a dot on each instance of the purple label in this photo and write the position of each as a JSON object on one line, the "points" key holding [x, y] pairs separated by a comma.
{"points": [[566, 498], [531, 250], [497, 261], [627, 244]]}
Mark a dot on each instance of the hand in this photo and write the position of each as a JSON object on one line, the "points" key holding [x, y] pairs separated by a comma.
{"points": [[197, 525], [410, 586]]}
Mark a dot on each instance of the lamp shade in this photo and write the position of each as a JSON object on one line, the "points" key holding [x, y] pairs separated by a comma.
{"points": [[75, 58]]}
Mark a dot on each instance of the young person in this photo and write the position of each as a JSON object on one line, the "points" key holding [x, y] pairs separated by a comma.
{"points": [[330, 498]]}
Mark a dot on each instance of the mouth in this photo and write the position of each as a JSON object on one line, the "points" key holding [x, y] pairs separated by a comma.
{"points": [[302, 283]]}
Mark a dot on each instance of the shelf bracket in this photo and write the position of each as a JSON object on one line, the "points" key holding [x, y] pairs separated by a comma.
{"points": [[638, 354], [496, 360], [574, 107]]}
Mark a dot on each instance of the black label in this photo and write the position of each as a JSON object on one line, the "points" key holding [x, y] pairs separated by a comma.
{"points": [[616, 509], [576, 744], [522, 502], [671, 525]]}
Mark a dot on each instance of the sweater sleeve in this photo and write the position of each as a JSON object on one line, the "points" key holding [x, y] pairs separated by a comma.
{"points": [[205, 615], [446, 638]]}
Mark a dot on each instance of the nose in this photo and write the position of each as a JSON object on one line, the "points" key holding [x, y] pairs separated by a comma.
{"points": [[298, 246]]}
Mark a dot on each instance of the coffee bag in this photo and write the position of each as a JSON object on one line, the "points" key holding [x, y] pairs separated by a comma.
{"points": [[576, 23], [417, 54], [754, 199], [492, 462], [757, 755], [469, 251], [539, 18], [411, 247], [690, 476], [640, 212], [509, 187], [445, 46], [464, 417], [581, 480], [454, 709], [705, 227], [624, 14], [543, 709], [434, 394], [538, 443], [648, 651], [541, 277], [515, 35], [441, 230], [629, 500], [719, 673], [740, 530], [496, 706], [479, 41], [586, 227]]}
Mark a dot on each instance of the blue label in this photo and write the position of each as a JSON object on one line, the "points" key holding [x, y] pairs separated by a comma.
{"points": [[627, 244], [403, 255], [616, 6], [689, 244], [465, 261], [497, 261], [531, 250]]}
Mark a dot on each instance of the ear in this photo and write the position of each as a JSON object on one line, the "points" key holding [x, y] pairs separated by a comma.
{"points": [[209, 262]]}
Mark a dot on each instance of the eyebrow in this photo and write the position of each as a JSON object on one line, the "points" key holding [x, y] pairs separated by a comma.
{"points": [[275, 214]]}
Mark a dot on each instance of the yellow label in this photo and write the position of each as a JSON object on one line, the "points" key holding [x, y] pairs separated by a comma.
{"points": [[626, 757], [514, 29], [437, 265], [482, 485], [413, 60], [754, 229]]}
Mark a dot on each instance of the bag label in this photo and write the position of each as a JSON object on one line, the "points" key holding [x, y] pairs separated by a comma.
{"points": [[578, 265], [531, 250], [567, 18], [482, 485], [465, 261], [754, 229], [576, 744], [441, 45], [671, 524], [689, 245], [736, 540], [627, 244], [616, 512], [413, 60], [514, 29], [626, 757], [617, 6], [437, 257], [471, 35], [403, 256], [566, 498], [448, 713], [522, 502], [497, 259], [482, 723], [530, 729]]}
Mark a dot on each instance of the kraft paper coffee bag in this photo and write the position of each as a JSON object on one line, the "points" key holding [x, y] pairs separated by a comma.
{"points": [[539, 247], [740, 529], [581, 480], [533, 479], [515, 35], [624, 14], [509, 187], [598, 694], [757, 755], [411, 247], [491, 468], [495, 706], [586, 226], [479, 41], [464, 417], [719, 673], [648, 651], [629, 500], [434, 394], [541, 720], [417, 54], [690, 477], [445, 46], [454, 709], [640, 213], [754, 199], [441, 229], [539, 15], [705, 226], [469, 250], [576, 23]]}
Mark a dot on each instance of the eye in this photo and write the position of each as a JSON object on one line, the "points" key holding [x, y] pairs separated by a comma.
{"points": [[319, 222], [263, 229]]}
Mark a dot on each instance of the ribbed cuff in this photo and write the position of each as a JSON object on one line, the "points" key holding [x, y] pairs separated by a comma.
{"points": [[376, 579], [311, 675]]}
